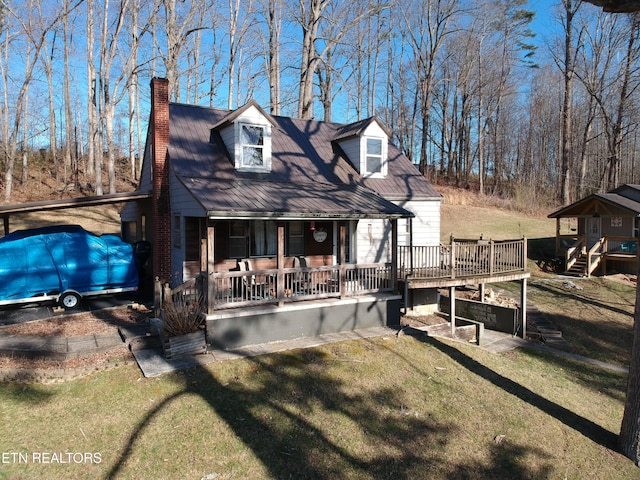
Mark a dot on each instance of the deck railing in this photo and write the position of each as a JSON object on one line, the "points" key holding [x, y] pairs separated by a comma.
{"points": [[257, 287], [462, 259], [279, 286]]}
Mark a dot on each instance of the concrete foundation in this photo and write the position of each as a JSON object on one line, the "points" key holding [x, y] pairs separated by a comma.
{"points": [[236, 328]]}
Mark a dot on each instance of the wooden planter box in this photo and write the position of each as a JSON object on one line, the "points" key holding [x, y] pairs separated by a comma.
{"points": [[181, 345]]}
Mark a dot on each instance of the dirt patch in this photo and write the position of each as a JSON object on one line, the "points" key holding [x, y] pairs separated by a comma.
{"points": [[78, 324]]}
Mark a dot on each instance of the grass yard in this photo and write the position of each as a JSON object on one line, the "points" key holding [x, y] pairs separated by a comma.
{"points": [[393, 407]]}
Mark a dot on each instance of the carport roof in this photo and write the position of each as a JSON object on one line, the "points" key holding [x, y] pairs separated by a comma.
{"points": [[45, 205]]}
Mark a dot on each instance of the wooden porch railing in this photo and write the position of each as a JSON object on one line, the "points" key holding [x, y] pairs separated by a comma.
{"points": [[260, 287], [463, 259], [606, 248], [279, 286]]}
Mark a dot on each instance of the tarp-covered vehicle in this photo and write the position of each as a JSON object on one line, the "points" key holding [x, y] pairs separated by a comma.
{"points": [[63, 263]]}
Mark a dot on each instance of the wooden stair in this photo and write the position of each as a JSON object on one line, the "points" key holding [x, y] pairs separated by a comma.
{"points": [[579, 268]]}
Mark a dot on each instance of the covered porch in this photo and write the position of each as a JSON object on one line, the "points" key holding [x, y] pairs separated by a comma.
{"points": [[599, 234], [257, 305]]}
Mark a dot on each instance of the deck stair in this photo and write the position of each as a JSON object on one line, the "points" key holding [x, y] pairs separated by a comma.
{"points": [[539, 325], [579, 268]]}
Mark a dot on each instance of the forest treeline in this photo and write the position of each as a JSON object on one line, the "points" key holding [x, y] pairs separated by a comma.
{"points": [[468, 91]]}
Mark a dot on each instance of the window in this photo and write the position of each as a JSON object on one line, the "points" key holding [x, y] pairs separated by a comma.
{"points": [[252, 145], [264, 238], [237, 240], [296, 239], [257, 238], [373, 155]]}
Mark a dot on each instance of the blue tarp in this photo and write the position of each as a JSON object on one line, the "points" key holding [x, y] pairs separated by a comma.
{"points": [[52, 260]]}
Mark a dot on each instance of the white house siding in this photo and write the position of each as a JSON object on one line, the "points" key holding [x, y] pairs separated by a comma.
{"points": [[426, 223], [373, 237], [373, 241], [183, 205], [351, 148]]}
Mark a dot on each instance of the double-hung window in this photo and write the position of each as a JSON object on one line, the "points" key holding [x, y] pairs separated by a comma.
{"points": [[252, 145], [373, 156]]}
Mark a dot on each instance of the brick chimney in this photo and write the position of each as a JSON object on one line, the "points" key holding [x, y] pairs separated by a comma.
{"points": [[161, 207]]}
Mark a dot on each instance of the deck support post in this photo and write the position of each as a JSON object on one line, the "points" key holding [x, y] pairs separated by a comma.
{"points": [[452, 310], [523, 308], [481, 292]]}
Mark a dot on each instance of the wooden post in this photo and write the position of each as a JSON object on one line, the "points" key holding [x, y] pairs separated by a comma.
{"points": [[394, 255], [157, 297], [211, 282], [558, 252], [492, 257], [481, 291], [343, 258], [452, 310], [452, 260], [280, 265], [523, 308]]}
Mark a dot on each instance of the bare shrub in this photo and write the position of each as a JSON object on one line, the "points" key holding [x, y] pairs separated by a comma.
{"points": [[182, 315]]}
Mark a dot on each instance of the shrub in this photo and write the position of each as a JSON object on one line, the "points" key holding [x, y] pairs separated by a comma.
{"points": [[182, 315]]}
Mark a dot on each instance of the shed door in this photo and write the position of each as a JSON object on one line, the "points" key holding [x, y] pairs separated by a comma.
{"points": [[594, 231]]}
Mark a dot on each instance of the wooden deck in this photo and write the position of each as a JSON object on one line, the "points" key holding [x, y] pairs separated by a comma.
{"points": [[462, 262], [459, 263]]}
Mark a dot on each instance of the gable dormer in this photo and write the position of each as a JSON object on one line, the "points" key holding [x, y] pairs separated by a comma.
{"points": [[246, 132], [366, 145]]}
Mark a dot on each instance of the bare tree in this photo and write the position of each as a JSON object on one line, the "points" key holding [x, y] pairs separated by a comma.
{"points": [[35, 30], [570, 9], [428, 25]]}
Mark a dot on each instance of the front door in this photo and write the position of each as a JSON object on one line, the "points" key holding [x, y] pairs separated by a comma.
{"points": [[594, 231]]}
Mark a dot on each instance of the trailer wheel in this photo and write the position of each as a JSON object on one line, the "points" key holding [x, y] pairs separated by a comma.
{"points": [[69, 300]]}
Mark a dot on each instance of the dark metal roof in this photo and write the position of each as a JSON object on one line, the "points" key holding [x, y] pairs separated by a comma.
{"points": [[600, 203], [45, 205], [266, 199], [310, 174]]}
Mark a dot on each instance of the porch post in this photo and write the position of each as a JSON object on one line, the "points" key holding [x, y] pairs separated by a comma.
{"points": [[558, 252], [452, 310], [211, 282], [452, 259], [280, 266], [523, 307], [394, 254], [342, 236]]}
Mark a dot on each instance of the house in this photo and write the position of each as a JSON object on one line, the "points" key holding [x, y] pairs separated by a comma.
{"points": [[599, 233], [295, 224]]}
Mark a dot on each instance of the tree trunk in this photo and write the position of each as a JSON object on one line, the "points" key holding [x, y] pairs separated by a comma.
{"points": [[629, 439]]}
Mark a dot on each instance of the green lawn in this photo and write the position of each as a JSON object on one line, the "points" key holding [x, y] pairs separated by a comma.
{"points": [[392, 407]]}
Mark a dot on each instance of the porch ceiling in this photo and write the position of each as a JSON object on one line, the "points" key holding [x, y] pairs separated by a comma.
{"points": [[251, 199], [601, 204]]}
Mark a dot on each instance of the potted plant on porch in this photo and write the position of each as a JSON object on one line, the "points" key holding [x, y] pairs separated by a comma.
{"points": [[182, 329]]}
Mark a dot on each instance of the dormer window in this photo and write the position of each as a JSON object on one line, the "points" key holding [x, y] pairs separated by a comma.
{"points": [[373, 155], [252, 145]]}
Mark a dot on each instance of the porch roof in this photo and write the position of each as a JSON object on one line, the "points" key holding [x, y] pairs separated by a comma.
{"points": [[286, 200], [599, 203]]}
